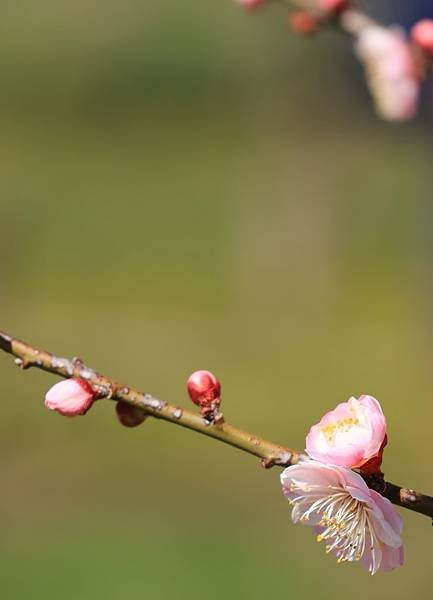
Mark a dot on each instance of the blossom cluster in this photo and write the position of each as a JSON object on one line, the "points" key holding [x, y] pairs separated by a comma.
{"points": [[356, 522], [395, 64]]}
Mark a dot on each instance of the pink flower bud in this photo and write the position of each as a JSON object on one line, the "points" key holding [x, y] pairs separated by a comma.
{"points": [[70, 397], [204, 389], [422, 35], [351, 435], [251, 4], [129, 416], [303, 22]]}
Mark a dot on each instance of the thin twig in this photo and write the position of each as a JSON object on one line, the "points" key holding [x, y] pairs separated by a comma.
{"points": [[270, 454]]}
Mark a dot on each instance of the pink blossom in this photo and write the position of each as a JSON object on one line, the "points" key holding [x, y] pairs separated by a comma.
{"points": [[356, 522], [392, 71], [350, 435], [70, 397]]}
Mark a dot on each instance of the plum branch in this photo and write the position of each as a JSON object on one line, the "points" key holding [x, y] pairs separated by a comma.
{"points": [[271, 454]]}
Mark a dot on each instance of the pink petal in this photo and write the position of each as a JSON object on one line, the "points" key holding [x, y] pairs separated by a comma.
{"points": [[392, 558], [389, 512], [70, 397]]}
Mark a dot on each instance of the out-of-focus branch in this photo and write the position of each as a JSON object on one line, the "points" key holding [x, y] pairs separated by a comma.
{"points": [[271, 454]]}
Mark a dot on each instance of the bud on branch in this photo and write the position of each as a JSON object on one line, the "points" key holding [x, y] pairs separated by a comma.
{"points": [[204, 389]]}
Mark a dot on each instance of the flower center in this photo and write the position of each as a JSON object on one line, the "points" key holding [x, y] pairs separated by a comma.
{"points": [[344, 522], [341, 426]]}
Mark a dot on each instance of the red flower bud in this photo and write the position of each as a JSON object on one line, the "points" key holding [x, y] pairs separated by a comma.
{"points": [[128, 415], [303, 22], [422, 35], [204, 389]]}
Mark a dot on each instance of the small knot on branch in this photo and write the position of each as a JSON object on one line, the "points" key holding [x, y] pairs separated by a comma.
{"points": [[408, 496]]}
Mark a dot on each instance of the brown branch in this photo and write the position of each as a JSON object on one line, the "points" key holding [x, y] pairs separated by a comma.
{"points": [[270, 454]]}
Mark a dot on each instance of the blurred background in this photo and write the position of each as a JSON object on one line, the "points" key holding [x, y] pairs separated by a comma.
{"points": [[185, 186]]}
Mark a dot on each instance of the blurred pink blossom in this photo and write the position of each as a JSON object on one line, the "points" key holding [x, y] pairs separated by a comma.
{"points": [[356, 522], [392, 71], [350, 435], [70, 397]]}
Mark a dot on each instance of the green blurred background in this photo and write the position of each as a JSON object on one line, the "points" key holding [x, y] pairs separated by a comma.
{"points": [[184, 186]]}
